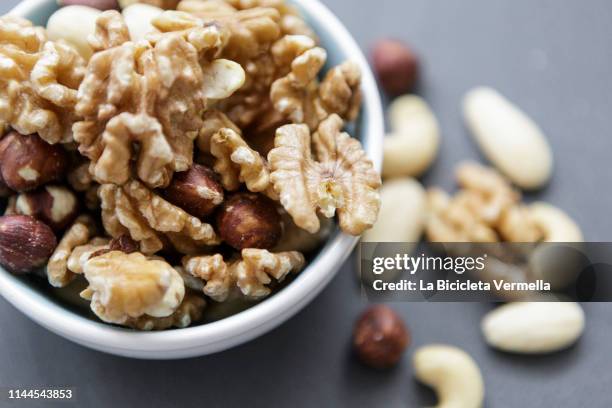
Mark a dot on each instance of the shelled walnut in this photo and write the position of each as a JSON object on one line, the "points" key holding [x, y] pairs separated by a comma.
{"points": [[38, 81], [190, 311], [486, 209], [151, 221], [129, 286], [251, 273], [338, 178], [150, 94], [80, 233], [238, 163], [301, 98]]}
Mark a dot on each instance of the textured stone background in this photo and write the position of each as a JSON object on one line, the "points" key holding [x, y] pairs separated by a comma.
{"points": [[553, 58]]}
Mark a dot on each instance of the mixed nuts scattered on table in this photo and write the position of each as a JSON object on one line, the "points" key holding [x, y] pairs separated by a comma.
{"points": [[176, 153]]}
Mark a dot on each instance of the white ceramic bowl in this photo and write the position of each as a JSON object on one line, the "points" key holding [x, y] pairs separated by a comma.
{"points": [[248, 324]]}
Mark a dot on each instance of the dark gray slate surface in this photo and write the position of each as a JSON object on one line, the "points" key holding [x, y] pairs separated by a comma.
{"points": [[553, 57]]}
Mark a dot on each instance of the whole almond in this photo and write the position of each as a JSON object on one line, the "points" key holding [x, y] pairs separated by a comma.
{"points": [[25, 243], [508, 138], [74, 24], [530, 328]]}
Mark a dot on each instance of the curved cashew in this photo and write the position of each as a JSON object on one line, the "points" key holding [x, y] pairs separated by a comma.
{"points": [[452, 373], [415, 139], [556, 224]]}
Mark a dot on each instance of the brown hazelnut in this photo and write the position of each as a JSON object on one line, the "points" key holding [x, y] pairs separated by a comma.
{"points": [[28, 162], [248, 220], [97, 4], [396, 66], [380, 337], [56, 206], [25, 243], [196, 191]]}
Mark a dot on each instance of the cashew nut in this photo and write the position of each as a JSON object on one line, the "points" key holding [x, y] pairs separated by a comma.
{"points": [[413, 144], [452, 373], [556, 224]]}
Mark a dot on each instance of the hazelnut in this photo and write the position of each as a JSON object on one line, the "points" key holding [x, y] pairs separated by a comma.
{"points": [[97, 4], [196, 191], [396, 66], [380, 337], [56, 206], [28, 162], [25, 243], [248, 220]]}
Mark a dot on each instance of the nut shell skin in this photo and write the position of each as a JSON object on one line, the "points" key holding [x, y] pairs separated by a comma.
{"points": [[380, 337], [396, 66], [4, 190], [56, 206], [28, 162], [196, 191], [25, 243], [249, 220]]}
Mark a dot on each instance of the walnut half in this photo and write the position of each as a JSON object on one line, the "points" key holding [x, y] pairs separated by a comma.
{"points": [[251, 273], [128, 286], [341, 178]]}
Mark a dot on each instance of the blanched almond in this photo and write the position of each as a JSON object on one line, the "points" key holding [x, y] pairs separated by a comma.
{"points": [[508, 138], [530, 327], [74, 24]]}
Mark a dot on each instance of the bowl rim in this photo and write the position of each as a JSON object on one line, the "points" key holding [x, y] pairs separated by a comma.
{"points": [[247, 324]]}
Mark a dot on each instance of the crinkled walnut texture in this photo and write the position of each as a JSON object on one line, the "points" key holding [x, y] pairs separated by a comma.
{"points": [[237, 163], [81, 254], [190, 311], [251, 31], [251, 274], [152, 221], [302, 99], [339, 178], [163, 4], [38, 81], [151, 94], [486, 209], [290, 19], [129, 286], [58, 272], [214, 121]]}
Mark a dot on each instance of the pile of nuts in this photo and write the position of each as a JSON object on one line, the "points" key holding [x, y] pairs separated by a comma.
{"points": [[488, 208], [175, 156]]}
